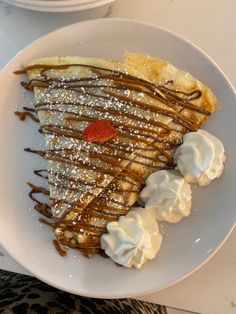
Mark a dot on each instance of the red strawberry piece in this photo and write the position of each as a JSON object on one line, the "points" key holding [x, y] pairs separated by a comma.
{"points": [[99, 131]]}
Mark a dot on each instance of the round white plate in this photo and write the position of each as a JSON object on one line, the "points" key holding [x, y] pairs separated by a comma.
{"points": [[186, 245], [58, 6]]}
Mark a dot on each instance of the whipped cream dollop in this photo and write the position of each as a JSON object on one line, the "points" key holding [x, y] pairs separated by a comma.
{"points": [[133, 239], [168, 194], [200, 158]]}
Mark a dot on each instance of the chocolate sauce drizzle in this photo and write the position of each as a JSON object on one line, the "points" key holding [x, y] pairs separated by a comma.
{"points": [[23, 114], [145, 135]]}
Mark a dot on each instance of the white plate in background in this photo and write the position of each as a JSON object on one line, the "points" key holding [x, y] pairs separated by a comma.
{"points": [[187, 245], [58, 6]]}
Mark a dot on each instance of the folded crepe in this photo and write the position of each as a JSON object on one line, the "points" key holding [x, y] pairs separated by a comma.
{"points": [[149, 102]]}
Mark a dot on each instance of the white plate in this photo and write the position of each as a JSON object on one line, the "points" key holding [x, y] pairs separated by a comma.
{"points": [[58, 6], [54, 3], [187, 245]]}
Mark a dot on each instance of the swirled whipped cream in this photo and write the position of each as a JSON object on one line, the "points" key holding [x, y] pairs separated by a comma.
{"points": [[200, 158], [168, 194], [133, 239]]}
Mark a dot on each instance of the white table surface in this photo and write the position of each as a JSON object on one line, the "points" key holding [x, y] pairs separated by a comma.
{"points": [[209, 24]]}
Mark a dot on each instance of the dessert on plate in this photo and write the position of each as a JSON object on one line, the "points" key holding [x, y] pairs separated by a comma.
{"points": [[108, 125]]}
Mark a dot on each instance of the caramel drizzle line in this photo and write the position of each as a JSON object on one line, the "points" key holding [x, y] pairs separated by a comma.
{"points": [[171, 101], [116, 75], [99, 155], [92, 167], [23, 114], [46, 222], [184, 102], [30, 109], [39, 67], [146, 84], [80, 227], [76, 203], [107, 210], [94, 212], [109, 217], [42, 154], [161, 94], [47, 156], [122, 147], [76, 181], [115, 123], [188, 123], [75, 226], [43, 106], [35, 190], [165, 95], [128, 127], [45, 67], [177, 117], [38, 173], [101, 207], [126, 148], [71, 133], [149, 85], [132, 79], [109, 149], [102, 215], [66, 187], [92, 154], [164, 142], [91, 247], [42, 208], [98, 213], [143, 140], [58, 248]]}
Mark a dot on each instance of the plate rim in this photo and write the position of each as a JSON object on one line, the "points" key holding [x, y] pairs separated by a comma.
{"points": [[59, 9], [179, 37], [55, 2]]}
